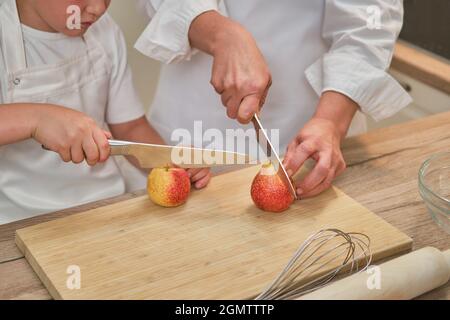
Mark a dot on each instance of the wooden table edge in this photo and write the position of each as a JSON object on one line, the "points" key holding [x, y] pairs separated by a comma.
{"points": [[422, 65]]}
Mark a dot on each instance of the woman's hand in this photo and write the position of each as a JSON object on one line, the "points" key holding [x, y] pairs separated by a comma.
{"points": [[320, 140], [73, 135], [240, 74], [199, 177]]}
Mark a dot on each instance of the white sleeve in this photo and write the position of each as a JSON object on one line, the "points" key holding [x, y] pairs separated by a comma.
{"points": [[166, 36], [3, 76], [124, 103], [362, 34]]}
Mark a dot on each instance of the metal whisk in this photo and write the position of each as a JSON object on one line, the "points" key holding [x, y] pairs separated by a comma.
{"points": [[305, 271]]}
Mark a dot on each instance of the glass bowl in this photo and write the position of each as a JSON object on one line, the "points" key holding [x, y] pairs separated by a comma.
{"points": [[434, 188]]}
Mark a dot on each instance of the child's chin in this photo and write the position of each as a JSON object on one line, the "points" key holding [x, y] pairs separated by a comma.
{"points": [[75, 32]]}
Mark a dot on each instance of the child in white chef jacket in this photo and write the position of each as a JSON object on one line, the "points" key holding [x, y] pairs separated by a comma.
{"points": [[61, 87]]}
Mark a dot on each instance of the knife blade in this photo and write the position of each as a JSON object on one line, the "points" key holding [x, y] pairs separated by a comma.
{"points": [[154, 155], [272, 155]]}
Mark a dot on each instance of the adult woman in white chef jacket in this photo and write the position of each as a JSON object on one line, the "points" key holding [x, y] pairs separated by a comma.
{"points": [[326, 60]]}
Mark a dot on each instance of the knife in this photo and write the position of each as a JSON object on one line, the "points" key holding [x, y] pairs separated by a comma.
{"points": [[272, 155], [155, 155]]}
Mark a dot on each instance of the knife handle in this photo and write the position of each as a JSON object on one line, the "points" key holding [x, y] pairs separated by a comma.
{"points": [[118, 148]]}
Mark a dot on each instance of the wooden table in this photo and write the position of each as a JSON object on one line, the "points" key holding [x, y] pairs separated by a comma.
{"points": [[381, 175]]}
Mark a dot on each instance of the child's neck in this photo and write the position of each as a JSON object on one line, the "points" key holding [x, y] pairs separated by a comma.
{"points": [[30, 17]]}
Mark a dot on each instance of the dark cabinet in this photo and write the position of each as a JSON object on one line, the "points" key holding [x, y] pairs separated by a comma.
{"points": [[427, 25]]}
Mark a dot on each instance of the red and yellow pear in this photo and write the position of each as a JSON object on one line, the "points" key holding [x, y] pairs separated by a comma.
{"points": [[268, 191], [168, 187]]}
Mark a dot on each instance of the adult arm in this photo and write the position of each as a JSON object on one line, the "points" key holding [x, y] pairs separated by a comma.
{"points": [[239, 75], [352, 75]]}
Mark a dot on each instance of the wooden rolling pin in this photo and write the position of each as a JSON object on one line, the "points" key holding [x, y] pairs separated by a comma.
{"points": [[403, 278]]}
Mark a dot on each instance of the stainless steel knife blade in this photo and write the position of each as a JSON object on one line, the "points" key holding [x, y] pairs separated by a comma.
{"points": [[154, 155], [272, 155]]}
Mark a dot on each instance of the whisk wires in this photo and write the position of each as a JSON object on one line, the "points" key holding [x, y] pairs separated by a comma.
{"points": [[309, 268]]}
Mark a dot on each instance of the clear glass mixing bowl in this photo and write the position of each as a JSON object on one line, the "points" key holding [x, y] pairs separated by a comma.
{"points": [[434, 187]]}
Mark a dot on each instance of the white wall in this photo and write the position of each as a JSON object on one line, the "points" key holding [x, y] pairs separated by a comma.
{"points": [[145, 70]]}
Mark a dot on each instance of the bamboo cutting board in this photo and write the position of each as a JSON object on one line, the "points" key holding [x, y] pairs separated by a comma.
{"points": [[216, 246]]}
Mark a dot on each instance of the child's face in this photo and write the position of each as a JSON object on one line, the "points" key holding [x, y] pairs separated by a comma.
{"points": [[54, 14]]}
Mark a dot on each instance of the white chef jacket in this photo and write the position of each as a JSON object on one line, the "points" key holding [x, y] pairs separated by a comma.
{"points": [[88, 74], [310, 47]]}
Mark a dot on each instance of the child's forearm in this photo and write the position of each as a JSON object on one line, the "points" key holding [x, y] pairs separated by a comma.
{"points": [[17, 122], [72, 134], [138, 130]]}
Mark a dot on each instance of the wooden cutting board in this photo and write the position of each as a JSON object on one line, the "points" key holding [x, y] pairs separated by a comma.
{"points": [[216, 246]]}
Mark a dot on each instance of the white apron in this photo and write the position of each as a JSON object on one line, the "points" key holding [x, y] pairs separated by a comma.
{"points": [[34, 181], [290, 45]]}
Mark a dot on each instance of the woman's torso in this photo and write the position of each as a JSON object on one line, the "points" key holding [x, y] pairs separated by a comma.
{"points": [[288, 32]]}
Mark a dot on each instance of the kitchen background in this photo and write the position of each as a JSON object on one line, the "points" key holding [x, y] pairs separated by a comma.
{"points": [[426, 29]]}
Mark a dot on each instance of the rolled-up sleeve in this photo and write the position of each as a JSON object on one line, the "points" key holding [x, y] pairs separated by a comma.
{"points": [[166, 36], [362, 36]]}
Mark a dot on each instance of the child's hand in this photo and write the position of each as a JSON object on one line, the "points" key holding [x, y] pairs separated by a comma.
{"points": [[72, 134], [199, 177]]}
